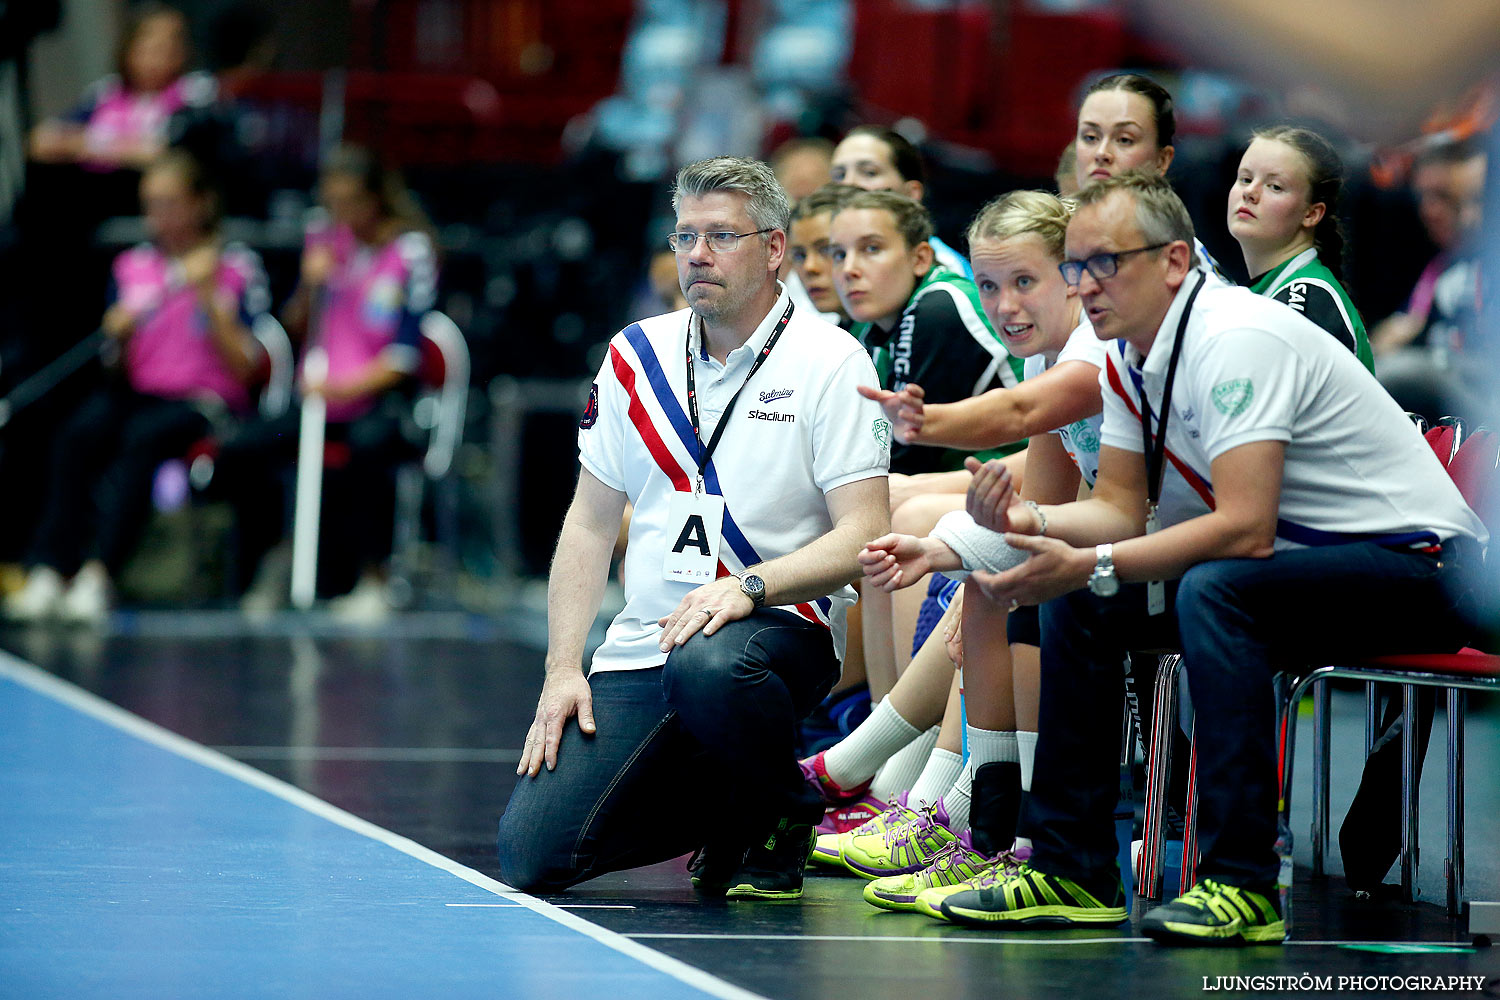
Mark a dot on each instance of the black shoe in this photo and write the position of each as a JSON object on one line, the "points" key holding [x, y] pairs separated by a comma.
{"points": [[712, 866], [1213, 913], [773, 869], [996, 806]]}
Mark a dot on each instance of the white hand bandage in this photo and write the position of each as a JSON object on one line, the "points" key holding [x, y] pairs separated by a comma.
{"points": [[979, 548]]}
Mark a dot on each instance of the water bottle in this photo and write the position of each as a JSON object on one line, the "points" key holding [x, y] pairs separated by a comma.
{"points": [[1284, 874]]}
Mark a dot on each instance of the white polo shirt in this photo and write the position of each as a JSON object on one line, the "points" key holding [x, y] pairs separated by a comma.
{"points": [[798, 430], [1253, 370], [1081, 438]]}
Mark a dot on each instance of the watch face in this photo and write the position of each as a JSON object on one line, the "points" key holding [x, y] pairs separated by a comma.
{"points": [[753, 587], [1104, 584]]}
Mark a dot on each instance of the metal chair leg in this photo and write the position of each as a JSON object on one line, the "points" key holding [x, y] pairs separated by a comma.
{"points": [[1188, 876], [1158, 771], [1322, 750], [1409, 793], [1455, 872], [1372, 716]]}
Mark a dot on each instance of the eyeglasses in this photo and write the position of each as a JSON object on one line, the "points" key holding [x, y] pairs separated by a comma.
{"points": [[717, 242], [1100, 265]]}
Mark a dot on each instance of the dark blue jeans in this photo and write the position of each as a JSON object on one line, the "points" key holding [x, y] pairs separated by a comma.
{"points": [[716, 725], [1238, 622]]}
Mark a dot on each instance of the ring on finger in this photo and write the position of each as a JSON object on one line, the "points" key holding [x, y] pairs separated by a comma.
{"points": [[708, 611]]}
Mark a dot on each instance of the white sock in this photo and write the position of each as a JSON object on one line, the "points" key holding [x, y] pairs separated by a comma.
{"points": [[958, 799], [901, 769], [943, 767], [986, 746], [1026, 745], [989, 746], [855, 758], [1026, 748]]}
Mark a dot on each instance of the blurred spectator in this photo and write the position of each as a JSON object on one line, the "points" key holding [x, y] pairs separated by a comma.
{"points": [[122, 120], [803, 165], [1444, 179], [180, 316], [369, 274], [1418, 355]]}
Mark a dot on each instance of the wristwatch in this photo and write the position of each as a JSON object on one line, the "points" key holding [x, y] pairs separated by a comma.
{"points": [[754, 588], [1103, 582]]}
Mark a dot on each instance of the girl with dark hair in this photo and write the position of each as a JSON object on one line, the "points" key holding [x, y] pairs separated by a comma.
{"points": [[881, 159], [1128, 122], [369, 275], [1283, 211], [181, 311]]}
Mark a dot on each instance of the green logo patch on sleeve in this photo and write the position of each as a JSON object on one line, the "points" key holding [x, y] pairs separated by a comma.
{"points": [[882, 431], [1232, 397]]}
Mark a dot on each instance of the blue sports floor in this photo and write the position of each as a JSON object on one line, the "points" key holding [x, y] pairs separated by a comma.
{"points": [[139, 864], [198, 806]]}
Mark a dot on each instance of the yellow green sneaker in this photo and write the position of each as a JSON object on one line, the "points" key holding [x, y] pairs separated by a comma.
{"points": [[901, 848], [1214, 913], [929, 900], [1027, 897], [829, 848], [954, 863]]}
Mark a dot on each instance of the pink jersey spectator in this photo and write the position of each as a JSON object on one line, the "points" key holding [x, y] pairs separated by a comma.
{"points": [[371, 307], [172, 353], [113, 115]]}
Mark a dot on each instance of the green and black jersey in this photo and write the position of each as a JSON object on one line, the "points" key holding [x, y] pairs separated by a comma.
{"points": [[944, 343], [1307, 285]]}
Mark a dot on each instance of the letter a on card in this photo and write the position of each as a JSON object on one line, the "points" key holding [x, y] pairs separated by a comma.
{"points": [[695, 526]]}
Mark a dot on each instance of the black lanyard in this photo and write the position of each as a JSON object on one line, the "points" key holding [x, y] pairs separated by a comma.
{"points": [[704, 453], [1156, 450]]}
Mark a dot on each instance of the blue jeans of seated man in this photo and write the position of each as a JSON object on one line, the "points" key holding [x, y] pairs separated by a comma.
{"points": [[1238, 621], [715, 725]]}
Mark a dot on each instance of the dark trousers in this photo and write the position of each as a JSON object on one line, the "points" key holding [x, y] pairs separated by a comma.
{"points": [[359, 499], [103, 465], [716, 722], [1238, 622]]}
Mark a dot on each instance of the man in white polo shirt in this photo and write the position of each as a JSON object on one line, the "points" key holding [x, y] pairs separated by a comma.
{"points": [[1332, 532], [756, 472]]}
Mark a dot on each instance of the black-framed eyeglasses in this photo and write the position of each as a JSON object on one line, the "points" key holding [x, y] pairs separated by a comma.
{"points": [[1100, 265], [717, 242]]}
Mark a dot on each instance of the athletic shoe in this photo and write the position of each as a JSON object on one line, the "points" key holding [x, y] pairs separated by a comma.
{"points": [[711, 867], [38, 598], [1027, 897], [829, 849], [1002, 865], [88, 599], [899, 849], [369, 603], [816, 775], [954, 862], [773, 870], [1217, 914], [850, 815]]}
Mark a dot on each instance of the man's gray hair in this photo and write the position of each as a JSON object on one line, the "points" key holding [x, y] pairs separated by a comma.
{"points": [[768, 205], [1160, 214]]}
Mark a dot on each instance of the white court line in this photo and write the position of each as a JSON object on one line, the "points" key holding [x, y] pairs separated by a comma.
{"points": [[74, 697], [561, 906], [1003, 939], [876, 939], [461, 755]]}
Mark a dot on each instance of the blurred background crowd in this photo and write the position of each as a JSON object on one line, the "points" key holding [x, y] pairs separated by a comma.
{"points": [[327, 172]]}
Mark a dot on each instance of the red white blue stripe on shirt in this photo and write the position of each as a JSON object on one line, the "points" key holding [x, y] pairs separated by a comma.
{"points": [[1299, 534], [682, 478]]}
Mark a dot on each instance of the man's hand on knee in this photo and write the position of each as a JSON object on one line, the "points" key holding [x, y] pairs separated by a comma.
{"points": [[709, 608], [565, 693]]}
